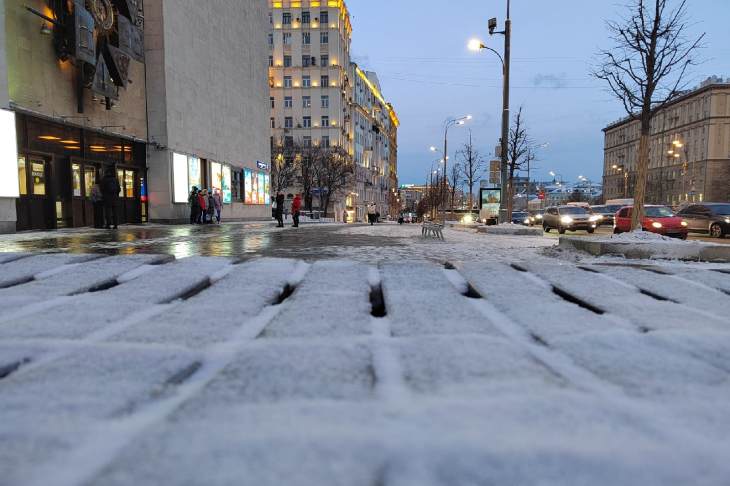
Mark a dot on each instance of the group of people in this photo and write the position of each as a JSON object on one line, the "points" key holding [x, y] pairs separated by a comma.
{"points": [[373, 214], [205, 206], [279, 206], [104, 199]]}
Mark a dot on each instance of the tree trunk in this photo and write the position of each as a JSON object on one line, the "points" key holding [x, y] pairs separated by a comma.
{"points": [[642, 172]]}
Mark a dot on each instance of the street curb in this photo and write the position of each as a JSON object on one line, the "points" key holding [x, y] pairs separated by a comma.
{"points": [[704, 252]]}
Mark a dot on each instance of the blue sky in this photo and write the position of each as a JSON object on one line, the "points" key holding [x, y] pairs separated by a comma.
{"points": [[418, 49]]}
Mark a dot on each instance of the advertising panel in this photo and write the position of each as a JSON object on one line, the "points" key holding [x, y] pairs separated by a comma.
{"points": [[180, 187], [261, 188], [226, 184], [248, 186], [8, 155]]}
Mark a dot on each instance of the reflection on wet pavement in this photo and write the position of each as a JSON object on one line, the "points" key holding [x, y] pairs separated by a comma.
{"points": [[242, 240]]}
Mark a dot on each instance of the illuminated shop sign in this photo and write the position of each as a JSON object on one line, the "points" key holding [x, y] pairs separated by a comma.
{"points": [[256, 185]]}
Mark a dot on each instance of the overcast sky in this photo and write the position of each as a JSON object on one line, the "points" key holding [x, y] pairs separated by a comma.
{"points": [[418, 49]]}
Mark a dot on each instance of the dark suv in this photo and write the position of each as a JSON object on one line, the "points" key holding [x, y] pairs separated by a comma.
{"points": [[712, 218], [570, 218]]}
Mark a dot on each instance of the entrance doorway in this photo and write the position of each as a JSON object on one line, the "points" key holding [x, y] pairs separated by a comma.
{"points": [[35, 208], [84, 175]]}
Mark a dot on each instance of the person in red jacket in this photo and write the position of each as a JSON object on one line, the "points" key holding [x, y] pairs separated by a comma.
{"points": [[296, 206], [203, 202]]}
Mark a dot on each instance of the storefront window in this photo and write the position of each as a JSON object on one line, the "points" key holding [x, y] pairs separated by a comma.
{"points": [[216, 175], [194, 175], [226, 185], [180, 178], [129, 183], [89, 180], [120, 178], [248, 181], [22, 177], [256, 187], [76, 179], [38, 172]]}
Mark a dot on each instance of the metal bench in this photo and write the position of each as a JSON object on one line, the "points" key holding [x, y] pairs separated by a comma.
{"points": [[434, 230]]}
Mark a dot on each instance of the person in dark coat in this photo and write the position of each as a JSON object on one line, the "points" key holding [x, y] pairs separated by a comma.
{"points": [[194, 205], [110, 193], [296, 206], [211, 207], [97, 201], [279, 212]]}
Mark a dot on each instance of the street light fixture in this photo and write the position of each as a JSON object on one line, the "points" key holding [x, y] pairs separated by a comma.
{"points": [[457, 121], [477, 45]]}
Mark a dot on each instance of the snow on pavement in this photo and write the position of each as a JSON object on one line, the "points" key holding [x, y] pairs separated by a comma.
{"points": [[275, 371]]}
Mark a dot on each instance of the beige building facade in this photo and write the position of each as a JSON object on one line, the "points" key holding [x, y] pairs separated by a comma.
{"points": [[689, 157]]}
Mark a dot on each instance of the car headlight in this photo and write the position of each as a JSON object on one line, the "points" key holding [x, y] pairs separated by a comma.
{"points": [[539, 216], [727, 220], [595, 218], [527, 220], [656, 224], [566, 220], [683, 223]]}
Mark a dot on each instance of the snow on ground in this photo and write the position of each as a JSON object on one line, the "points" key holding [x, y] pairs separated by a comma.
{"points": [[509, 369]]}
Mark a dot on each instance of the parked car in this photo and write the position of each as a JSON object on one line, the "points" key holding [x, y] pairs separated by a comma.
{"points": [[657, 219], [569, 218], [607, 212], [519, 217], [712, 218], [536, 217]]}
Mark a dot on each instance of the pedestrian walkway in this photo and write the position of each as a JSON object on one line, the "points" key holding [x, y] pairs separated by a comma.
{"points": [[148, 370]]}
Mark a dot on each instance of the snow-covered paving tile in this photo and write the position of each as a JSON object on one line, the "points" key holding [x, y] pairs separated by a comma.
{"points": [[420, 299], [644, 367], [11, 256], [531, 302], [311, 370], [213, 314], [621, 299], [46, 411], [74, 278], [333, 300], [133, 301], [696, 295], [709, 277], [469, 365], [18, 271]]}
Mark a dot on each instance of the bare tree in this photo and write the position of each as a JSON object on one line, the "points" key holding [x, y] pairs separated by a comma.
{"points": [[333, 170], [284, 168], [519, 147], [645, 69], [472, 165], [453, 183]]}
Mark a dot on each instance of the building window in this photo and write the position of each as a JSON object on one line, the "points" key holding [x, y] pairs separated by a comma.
{"points": [[271, 61], [271, 39], [306, 38], [287, 61], [306, 101], [324, 17], [287, 82], [325, 60], [325, 141], [273, 122], [288, 122], [305, 17], [307, 122], [325, 121], [273, 102], [287, 38], [288, 103], [324, 37], [288, 141], [325, 101], [286, 18], [306, 61], [307, 141], [306, 81], [325, 81]]}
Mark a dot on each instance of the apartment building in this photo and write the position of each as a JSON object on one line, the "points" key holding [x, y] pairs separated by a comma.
{"points": [[689, 158], [320, 98]]}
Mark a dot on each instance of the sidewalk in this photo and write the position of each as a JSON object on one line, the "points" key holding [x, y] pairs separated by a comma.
{"points": [[144, 370]]}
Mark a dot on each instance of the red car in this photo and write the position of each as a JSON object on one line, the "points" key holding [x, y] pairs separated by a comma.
{"points": [[657, 219]]}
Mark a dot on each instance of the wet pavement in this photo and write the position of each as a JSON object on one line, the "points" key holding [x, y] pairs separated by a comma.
{"points": [[238, 240]]}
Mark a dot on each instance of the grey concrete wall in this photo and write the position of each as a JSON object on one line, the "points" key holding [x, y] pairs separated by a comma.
{"points": [[208, 90], [39, 82]]}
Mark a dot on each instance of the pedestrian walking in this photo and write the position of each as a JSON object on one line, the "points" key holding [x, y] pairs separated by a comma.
{"points": [[203, 203], [211, 207], [110, 193], [371, 213], [218, 205], [344, 216], [296, 207], [97, 202], [194, 205], [279, 211]]}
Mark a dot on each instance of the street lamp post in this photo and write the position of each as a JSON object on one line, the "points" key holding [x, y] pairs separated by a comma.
{"points": [[477, 45], [448, 124]]}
